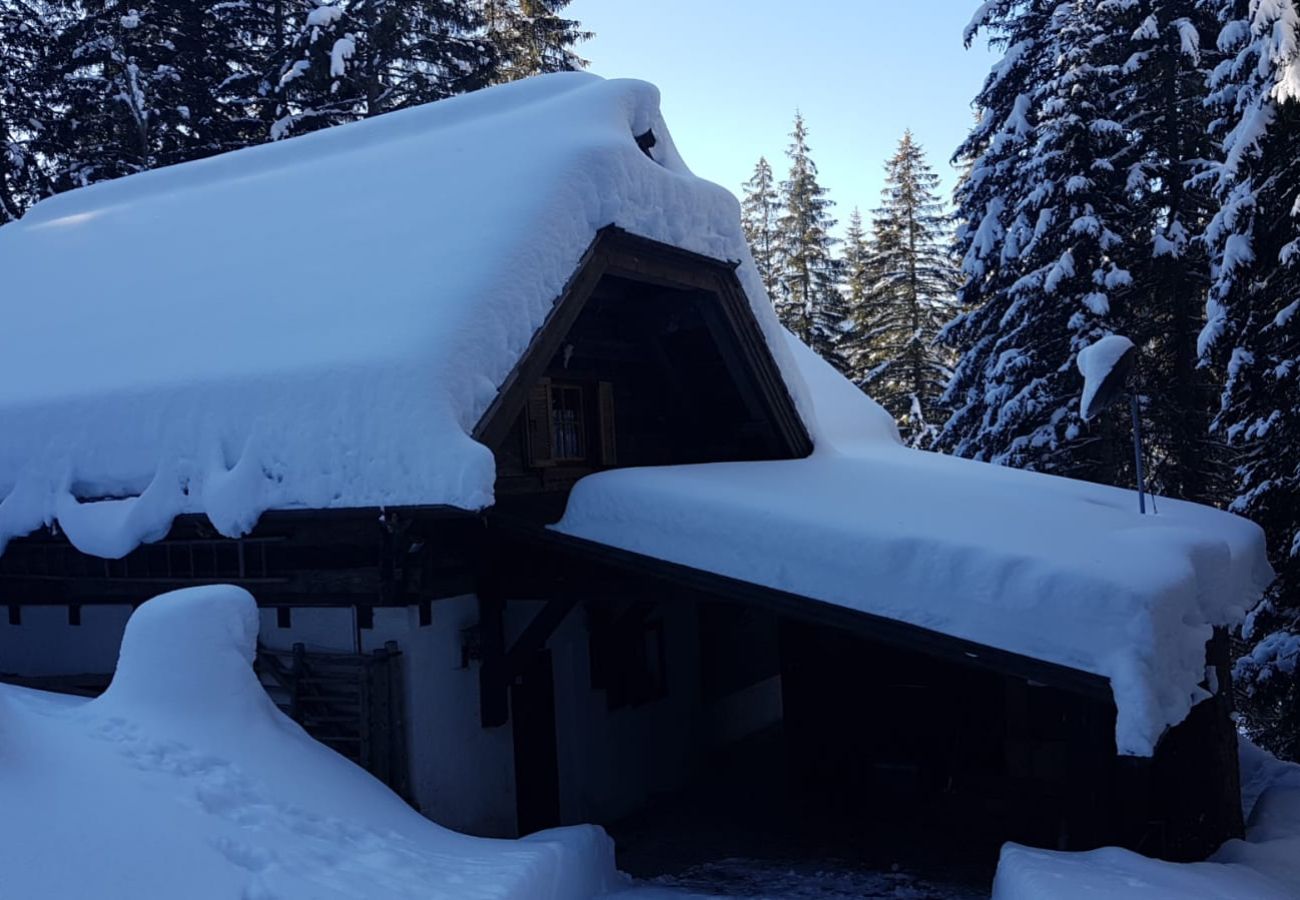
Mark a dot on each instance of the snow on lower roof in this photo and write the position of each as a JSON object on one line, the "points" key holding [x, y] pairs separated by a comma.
{"points": [[318, 322], [1059, 570]]}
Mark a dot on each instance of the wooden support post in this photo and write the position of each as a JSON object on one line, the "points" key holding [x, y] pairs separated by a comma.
{"points": [[493, 675], [1196, 782], [493, 679], [399, 766], [377, 689], [296, 674]]}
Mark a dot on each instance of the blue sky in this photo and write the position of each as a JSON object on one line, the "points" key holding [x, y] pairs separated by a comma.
{"points": [[732, 73]]}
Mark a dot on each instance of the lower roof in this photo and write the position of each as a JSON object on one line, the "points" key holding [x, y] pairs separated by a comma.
{"points": [[1058, 570]]}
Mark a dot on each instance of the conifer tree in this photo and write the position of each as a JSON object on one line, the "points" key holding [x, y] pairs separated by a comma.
{"points": [[1044, 215], [911, 297], [760, 214], [857, 278], [531, 37], [24, 106], [1170, 52], [137, 85], [353, 59], [258, 50], [1252, 333], [128, 78], [808, 301]]}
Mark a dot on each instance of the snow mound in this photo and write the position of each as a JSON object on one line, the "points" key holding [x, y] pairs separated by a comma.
{"points": [[1265, 866], [319, 322], [190, 653], [1054, 569], [184, 780]]}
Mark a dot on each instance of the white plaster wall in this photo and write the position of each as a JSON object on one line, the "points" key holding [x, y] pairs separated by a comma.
{"points": [[613, 761], [45, 644], [745, 712], [319, 630], [461, 774]]}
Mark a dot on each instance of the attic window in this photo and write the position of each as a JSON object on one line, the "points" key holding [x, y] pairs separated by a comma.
{"points": [[570, 423], [568, 433], [646, 141]]}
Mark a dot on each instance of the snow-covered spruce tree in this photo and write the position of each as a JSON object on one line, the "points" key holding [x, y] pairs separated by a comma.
{"points": [[353, 59], [132, 81], [1043, 217], [1252, 333], [258, 47], [530, 37], [760, 214], [807, 300], [1171, 49], [912, 296], [24, 106], [126, 85]]}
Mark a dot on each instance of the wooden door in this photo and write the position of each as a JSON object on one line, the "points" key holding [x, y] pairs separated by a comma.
{"points": [[537, 776]]}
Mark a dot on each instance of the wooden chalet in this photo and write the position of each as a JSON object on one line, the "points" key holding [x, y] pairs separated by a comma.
{"points": [[505, 676]]}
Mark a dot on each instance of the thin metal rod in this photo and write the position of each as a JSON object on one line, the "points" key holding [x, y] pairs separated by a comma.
{"points": [[1137, 453]]}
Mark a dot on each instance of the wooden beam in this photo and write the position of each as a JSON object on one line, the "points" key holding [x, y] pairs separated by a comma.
{"points": [[538, 631], [493, 679]]}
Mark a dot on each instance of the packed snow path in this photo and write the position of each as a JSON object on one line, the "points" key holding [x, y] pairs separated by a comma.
{"points": [[748, 879]]}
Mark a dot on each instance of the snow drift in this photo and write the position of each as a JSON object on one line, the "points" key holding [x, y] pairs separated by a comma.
{"points": [[1055, 569], [184, 780], [1265, 866]]}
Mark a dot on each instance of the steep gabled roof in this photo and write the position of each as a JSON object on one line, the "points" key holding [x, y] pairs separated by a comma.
{"points": [[319, 322]]}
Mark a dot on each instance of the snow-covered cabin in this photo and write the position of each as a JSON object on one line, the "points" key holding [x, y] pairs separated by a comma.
{"points": [[485, 403]]}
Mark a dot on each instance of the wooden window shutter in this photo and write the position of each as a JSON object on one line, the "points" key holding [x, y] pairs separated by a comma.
{"points": [[608, 443], [538, 425]]}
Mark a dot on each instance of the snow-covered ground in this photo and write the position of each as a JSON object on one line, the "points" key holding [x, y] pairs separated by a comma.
{"points": [[749, 879], [185, 781], [1265, 866]]}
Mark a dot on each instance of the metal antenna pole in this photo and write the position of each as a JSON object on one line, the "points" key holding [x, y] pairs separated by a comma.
{"points": [[1137, 453]]}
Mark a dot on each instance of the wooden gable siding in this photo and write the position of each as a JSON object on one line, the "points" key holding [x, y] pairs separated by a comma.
{"points": [[618, 254]]}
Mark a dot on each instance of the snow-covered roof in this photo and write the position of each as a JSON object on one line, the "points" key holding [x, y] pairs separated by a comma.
{"points": [[318, 322], [1058, 570], [322, 322]]}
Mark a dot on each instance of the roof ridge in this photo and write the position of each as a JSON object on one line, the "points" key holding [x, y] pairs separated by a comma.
{"points": [[261, 159]]}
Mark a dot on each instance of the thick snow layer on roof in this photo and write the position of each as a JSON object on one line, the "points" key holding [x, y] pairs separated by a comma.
{"points": [[184, 780], [1059, 570], [1265, 866], [318, 322]]}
